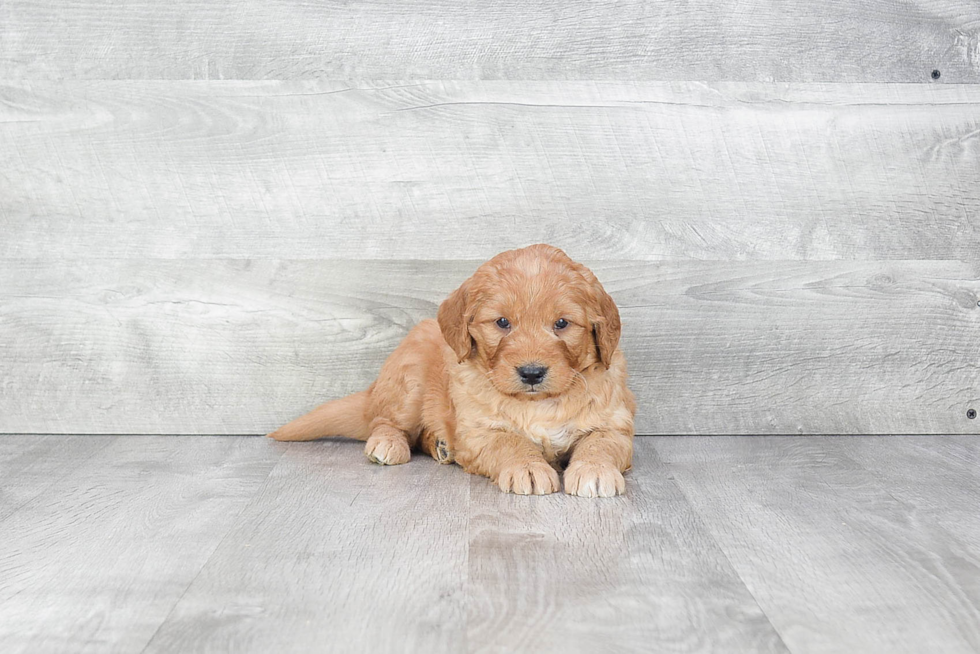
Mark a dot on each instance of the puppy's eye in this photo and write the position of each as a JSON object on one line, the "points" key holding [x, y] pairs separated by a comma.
{"points": [[560, 324], [503, 323]]}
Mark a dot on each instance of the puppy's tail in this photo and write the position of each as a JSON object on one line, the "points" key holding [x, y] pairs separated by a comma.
{"points": [[347, 416]]}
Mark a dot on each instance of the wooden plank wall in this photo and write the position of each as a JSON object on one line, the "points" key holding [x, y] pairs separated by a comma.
{"points": [[214, 217]]}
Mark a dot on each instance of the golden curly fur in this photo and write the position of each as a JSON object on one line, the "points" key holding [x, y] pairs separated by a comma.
{"points": [[520, 376]]}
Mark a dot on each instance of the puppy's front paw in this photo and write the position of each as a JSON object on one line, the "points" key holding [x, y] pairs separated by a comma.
{"points": [[587, 479], [388, 449], [529, 478]]}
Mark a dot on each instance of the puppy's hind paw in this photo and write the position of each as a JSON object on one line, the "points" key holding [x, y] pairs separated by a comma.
{"points": [[587, 479], [443, 454], [388, 449]]}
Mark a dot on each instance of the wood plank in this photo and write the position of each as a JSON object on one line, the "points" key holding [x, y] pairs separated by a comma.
{"points": [[31, 464], [639, 573], [721, 544], [939, 478], [849, 40], [463, 170], [836, 561], [335, 554], [96, 562], [230, 346], [803, 348]]}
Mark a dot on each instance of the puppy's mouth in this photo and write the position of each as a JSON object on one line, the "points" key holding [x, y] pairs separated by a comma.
{"points": [[533, 392]]}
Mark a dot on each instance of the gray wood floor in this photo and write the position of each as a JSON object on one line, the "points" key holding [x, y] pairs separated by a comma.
{"points": [[198, 543]]}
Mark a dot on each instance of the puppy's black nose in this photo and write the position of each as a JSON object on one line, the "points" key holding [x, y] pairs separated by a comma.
{"points": [[532, 374]]}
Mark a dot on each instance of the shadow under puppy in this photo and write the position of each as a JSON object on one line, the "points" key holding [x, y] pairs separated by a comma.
{"points": [[520, 376]]}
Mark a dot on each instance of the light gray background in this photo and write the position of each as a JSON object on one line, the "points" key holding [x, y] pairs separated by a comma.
{"points": [[215, 216]]}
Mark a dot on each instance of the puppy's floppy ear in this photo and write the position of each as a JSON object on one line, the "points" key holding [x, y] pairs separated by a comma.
{"points": [[454, 320], [606, 326], [604, 316]]}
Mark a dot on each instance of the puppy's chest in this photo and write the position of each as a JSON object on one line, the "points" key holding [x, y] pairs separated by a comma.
{"points": [[554, 440], [554, 434]]}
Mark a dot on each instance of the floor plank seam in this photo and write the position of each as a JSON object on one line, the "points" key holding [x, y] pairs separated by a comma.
{"points": [[54, 481], [721, 549], [885, 487], [231, 528]]}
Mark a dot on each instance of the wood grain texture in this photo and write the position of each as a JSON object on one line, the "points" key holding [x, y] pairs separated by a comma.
{"points": [[238, 346], [942, 493], [442, 170], [31, 464], [836, 560], [638, 573], [874, 40], [96, 561], [334, 554], [757, 544]]}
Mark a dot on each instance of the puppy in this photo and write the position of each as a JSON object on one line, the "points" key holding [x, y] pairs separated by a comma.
{"points": [[520, 376]]}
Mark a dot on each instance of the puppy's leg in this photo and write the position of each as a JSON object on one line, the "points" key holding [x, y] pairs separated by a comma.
{"points": [[511, 461], [396, 401], [597, 464], [435, 443], [396, 427], [388, 445]]}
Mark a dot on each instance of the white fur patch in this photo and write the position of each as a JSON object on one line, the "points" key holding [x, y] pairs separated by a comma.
{"points": [[561, 439], [553, 438]]}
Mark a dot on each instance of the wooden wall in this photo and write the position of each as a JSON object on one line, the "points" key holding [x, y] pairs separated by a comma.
{"points": [[214, 216]]}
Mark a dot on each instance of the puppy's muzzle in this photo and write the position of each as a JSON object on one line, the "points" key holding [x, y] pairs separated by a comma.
{"points": [[532, 374]]}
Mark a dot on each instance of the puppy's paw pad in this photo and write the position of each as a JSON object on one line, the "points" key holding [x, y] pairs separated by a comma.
{"points": [[587, 479], [443, 453], [388, 450], [531, 478]]}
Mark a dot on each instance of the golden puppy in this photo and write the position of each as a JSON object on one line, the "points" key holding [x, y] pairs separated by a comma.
{"points": [[521, 375]]}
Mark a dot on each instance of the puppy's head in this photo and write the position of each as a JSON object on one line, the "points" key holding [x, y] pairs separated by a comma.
{"points": [[532, 319]]}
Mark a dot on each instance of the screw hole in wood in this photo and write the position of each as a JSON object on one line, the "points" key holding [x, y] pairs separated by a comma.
{"points": [[936, 74]]}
